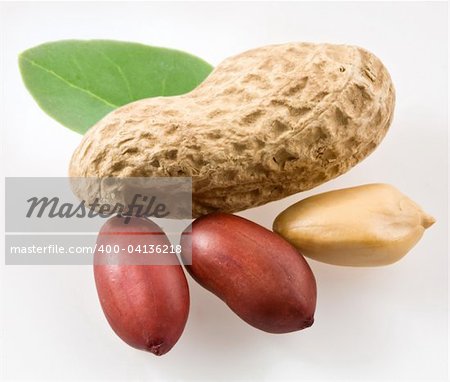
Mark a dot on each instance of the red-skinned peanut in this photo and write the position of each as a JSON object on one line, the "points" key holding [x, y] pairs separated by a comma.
{"points": [[146, 305], [257, 273]]}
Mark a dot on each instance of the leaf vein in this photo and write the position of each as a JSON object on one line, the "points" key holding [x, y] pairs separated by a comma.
{"points": [[49, 71], [122, 74]]}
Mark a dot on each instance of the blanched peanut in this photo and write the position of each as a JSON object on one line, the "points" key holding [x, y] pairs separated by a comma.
{"points": [[368, 225]]}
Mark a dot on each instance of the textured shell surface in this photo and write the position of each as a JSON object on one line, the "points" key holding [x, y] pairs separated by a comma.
{"points": [[265, 124]]}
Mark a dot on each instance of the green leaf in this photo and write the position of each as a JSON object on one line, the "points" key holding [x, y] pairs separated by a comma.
{"points": [[78, 82]]}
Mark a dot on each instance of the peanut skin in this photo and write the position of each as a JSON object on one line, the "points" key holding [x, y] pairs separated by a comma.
{"points": [[265, 124], [146, 305], [259, 275]]}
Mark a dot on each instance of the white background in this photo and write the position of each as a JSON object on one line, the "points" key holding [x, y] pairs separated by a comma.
{"points": [[388, 322]]}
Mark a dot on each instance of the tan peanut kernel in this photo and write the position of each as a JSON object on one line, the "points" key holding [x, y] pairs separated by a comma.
{"points": [[265, 124], [368, 225]]}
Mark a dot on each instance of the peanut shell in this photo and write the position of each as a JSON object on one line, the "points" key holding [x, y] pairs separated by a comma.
{"points": [[265, 124]]}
